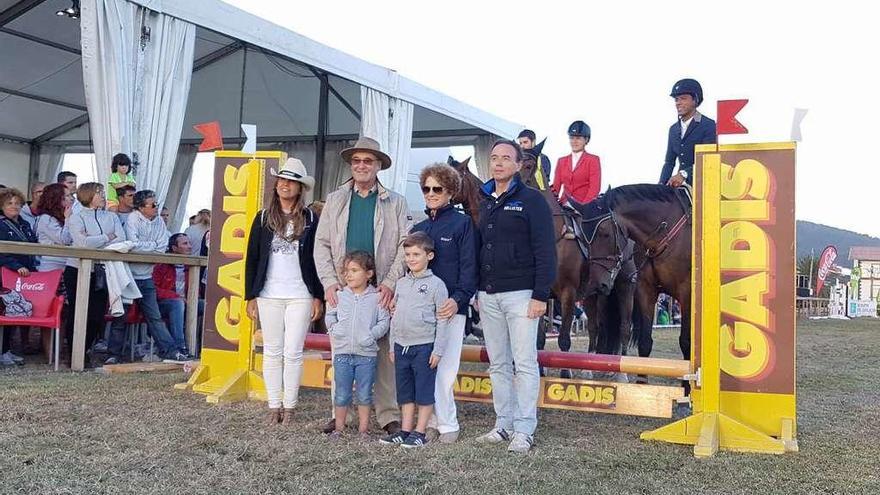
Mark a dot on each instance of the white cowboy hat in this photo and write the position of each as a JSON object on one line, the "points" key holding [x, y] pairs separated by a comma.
{"points": [[293, 169]]}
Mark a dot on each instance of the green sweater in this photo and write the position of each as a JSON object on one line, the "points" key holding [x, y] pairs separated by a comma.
{"points": [[361, 219]]}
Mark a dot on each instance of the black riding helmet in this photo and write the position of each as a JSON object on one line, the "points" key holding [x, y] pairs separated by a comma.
{"points": [[579, 128], [688, 87]]}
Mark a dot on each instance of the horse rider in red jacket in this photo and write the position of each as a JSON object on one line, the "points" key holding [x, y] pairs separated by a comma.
{"points": [[578, 176]]}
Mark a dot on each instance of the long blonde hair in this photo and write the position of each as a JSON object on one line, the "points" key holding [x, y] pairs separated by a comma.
{"points": [[277, 220]]}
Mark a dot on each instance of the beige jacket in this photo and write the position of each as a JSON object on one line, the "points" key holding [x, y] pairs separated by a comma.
{"points": [[391, 223]]}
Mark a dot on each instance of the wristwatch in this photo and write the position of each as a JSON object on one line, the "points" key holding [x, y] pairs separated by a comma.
{"points": [[683, 173]]}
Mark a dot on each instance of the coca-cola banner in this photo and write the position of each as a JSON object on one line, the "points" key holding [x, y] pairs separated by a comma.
{"points": [[826, 261]]}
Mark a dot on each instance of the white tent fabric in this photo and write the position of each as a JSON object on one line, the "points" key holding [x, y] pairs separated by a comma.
{"points": [[51, 159], [179, 185], [389, 121], [136, 86], [482, 149]]}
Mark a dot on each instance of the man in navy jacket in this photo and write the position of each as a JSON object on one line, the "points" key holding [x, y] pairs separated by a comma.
{"points": [[517, 268], [692, 128]]}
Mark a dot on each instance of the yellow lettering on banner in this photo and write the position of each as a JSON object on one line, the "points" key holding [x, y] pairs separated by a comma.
{"points": [[744, 298], [756, 210], [233, 234], [227, 317], [235, 180], [587, 394], [486, 386], [608, 396], [555, 391], [748, 179], [752, 257], [235, 204], [745, 350], [467, 384], [571, 394], [231, 277]]}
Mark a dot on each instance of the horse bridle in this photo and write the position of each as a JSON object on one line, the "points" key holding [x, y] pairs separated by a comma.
{"points": [[617, 260]]}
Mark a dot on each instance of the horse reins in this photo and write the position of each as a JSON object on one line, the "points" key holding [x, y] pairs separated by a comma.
{"points": [[617, 259]]}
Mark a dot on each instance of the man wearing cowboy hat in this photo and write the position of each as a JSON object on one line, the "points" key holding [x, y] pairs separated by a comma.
{"points": [[364, 216]]}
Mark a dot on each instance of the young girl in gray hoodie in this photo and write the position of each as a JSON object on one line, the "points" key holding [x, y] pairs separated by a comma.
{"points": [[354, 325]]}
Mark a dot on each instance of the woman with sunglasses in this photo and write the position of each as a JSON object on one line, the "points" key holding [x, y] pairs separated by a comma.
{"points": [[455, 262]]}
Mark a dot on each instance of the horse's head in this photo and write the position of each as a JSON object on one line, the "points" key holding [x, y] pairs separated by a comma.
{"points": [[607, 245], [468, 194], [531, 167]]}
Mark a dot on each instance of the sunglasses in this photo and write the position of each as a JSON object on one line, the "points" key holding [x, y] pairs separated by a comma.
{"points": [[365, 161], [433, 189], [150, 206]]}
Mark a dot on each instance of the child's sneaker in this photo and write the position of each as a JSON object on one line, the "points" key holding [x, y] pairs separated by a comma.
{"points": [[395, 439], [497, 435], [415, 439], [334, 436]]}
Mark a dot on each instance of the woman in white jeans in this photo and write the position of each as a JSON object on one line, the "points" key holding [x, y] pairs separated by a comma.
{"points": [[282, 287], [455, 262]]}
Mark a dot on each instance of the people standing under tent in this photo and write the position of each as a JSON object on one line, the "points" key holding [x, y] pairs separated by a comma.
{"points": [[69, 181], [199, 226], [355, 325], [121, 176], [147, 232], [691, 128], [455, 262], [125, 202], [517, 264], [282, 288], [30, 210], [91, 227], [362, 215], [172, 284], [527, 140], [16, 229], [578, 175]]}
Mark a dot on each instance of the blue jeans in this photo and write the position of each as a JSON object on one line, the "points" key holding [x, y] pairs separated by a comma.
{"points": [[174, 310], [350, 370], [150, 308], [510, 338]]}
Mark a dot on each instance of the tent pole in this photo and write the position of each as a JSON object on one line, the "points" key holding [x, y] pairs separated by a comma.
{"points": [[323, 114]]}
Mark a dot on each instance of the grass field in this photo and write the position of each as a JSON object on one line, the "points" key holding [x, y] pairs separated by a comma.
{"points": [[91, 433]]}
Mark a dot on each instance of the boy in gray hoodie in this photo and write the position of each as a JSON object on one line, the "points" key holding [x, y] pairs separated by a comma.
{"points": [[416, 348], [355, 324]]}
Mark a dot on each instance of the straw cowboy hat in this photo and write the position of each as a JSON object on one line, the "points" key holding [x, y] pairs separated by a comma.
{"points": [[293, 169], [370, 146]]}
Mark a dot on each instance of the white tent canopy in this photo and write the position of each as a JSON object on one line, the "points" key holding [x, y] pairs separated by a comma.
{"points": [[303, 96]]}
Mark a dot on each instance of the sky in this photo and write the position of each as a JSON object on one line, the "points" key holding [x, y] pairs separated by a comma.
{"points": [[612, 64]]}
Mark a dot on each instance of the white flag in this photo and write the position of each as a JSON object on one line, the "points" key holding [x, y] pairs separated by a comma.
{"points": [[799, 114], [250, 132]]}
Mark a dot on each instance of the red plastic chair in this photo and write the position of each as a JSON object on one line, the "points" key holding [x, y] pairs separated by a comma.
{"points": [[40, 288]]}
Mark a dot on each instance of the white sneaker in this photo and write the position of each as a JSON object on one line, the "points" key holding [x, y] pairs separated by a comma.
{"points": [[521, 443], [5, 360], [15, 359], [497, 435]]}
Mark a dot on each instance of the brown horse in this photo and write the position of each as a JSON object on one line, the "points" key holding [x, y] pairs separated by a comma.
{"points": [[611, 280], [468, 195], [659, 221]]}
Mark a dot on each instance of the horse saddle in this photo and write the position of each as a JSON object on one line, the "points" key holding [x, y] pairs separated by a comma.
{"points": [[573, 230]]}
